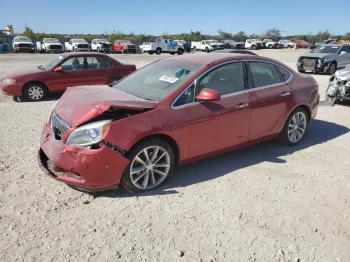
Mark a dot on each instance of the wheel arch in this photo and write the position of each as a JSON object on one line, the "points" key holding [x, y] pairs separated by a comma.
{"points": [[305, 107]]}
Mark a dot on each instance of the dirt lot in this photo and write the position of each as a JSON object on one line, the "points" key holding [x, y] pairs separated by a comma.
{"points": [[263, 203]]}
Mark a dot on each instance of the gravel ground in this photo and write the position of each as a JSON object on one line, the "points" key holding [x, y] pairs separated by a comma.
{"points": [[263, 203]]}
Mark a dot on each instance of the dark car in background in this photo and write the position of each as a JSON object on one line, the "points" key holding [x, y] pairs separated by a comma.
{"points": [[326, 58], [66, 70]]}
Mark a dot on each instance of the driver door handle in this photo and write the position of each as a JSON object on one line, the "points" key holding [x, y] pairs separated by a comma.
{"points": [[242, 105], [286, 93]]}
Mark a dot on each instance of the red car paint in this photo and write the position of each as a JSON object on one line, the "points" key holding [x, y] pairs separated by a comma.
{"points": [[56, 81], [195, 131], [124, 46]]}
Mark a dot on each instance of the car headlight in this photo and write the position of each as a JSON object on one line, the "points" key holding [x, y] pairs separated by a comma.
{"points": [[9, 81], [89, 134]]}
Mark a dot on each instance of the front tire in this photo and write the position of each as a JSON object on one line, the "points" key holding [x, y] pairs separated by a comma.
{"points": [[295, 127], [152, 162], [35, 92], [332, 68], [180, 51]]}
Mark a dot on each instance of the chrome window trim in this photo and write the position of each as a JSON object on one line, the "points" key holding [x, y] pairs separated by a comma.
{"points": [[235, 93]]}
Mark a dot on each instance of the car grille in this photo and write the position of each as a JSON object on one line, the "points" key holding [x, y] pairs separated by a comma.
{"points": [[55, 47], [24, 45], [131, 47], [309, 63], [83, 46], [59, 126]]}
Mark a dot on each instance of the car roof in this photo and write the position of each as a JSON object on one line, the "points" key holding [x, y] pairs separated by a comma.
{"points": [[67, 54], [215, 58]]}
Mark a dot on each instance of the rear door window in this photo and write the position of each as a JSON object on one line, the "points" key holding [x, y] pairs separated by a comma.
{"points": [[74, 63], [264, 74]]}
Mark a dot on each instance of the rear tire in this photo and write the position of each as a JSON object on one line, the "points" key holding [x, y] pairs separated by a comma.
{"points": [[158, 51], [295, 127], [180, 51], [35, 92], [207, 50], [152, 162]]}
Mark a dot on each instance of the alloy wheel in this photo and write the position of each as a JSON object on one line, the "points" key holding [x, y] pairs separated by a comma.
{"points": [[150, 167], [297, 127], [35, 92]]}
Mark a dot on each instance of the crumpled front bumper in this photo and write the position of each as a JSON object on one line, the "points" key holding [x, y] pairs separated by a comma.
{"points": [[323, 68], [93, 169]]}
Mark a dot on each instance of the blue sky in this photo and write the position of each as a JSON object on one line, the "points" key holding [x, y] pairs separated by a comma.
{"points": [[176, 16]]}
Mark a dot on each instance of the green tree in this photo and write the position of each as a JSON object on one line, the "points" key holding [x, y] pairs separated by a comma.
{"points": [[28, 32], [274, 34], [224, 35], [346, 36], [240, 36]]}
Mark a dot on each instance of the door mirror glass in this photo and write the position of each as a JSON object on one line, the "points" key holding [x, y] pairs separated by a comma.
{"points": [[208, 94]]}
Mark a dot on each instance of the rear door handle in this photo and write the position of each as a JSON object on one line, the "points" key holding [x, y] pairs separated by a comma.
{"points": [[285, 93], [241, 105]]}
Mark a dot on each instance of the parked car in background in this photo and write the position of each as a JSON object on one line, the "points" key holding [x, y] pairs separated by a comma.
{"points": [[135, 133], [269, 43], [286, 43], [234, 51], [186, 45], [206, 45], [228, 43], [23, 44], [65, 70], [77, 44], [162, 45], [326, 58], [124, 46], [100, 45], [4, 47], [49, 45], [301, 44], [253, 44]]}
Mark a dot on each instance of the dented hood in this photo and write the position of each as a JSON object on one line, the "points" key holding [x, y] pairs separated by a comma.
{"points": [[343, 74], [79, 104]]}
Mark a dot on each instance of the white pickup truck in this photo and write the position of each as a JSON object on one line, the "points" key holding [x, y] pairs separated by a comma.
{"points": [[22, 44], [100, 45], [162, 45], [253, 44], [76, 44], [49, 45], [206, 45]]}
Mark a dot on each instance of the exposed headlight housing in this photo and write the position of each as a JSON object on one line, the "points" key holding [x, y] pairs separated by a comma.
{"points": [[89, 134], [8, 81]]}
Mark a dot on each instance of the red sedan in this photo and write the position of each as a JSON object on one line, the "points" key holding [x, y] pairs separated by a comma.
{"points": [[65, 70], [172, 112]]}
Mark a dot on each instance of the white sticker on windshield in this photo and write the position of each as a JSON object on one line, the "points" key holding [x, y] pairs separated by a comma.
{"points": [[60, 57], [168, 79], [322, 47]]}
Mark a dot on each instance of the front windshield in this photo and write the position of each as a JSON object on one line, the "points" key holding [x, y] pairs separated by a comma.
{"points": [[327, 49], [22, 39], [211, 41], [78, 41], [101, 41], [53, 62], [51, 40], [158, 80]]}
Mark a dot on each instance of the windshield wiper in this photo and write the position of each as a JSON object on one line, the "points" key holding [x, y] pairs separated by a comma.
{"points": [[41, 67]]}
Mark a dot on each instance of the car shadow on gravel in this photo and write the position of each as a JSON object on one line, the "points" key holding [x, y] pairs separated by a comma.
{"points": [[319, 132], [51, 97]]}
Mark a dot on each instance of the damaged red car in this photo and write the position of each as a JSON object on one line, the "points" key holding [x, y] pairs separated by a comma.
{"points": [[65, 70], [172, 112]]}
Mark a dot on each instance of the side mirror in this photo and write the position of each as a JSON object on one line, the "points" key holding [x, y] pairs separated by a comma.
{"points": [[58, 69], [208, 94], [342, 52]]}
